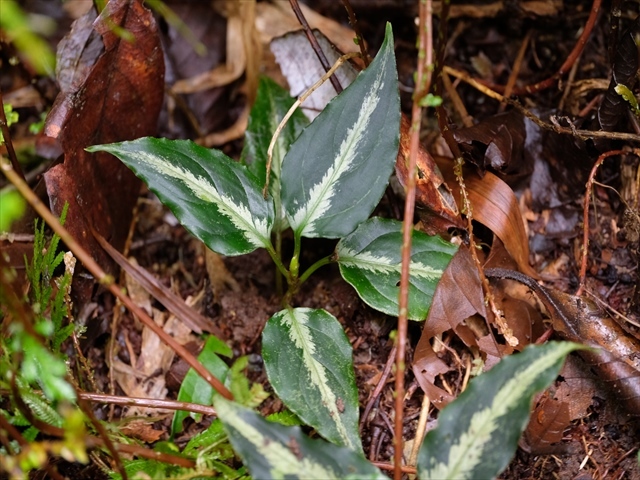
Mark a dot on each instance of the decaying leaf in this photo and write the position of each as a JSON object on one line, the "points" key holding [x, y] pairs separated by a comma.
{"points": [[458, 296], [495, 206], [128, 77], [614, 355], [197, 322], [497, 142], [435, 203]]}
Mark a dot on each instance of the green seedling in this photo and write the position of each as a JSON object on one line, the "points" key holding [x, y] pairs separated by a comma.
{"points": [[326, 180]]}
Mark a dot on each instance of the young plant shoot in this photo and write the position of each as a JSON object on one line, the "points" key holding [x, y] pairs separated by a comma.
{"points": [[326, 180]]}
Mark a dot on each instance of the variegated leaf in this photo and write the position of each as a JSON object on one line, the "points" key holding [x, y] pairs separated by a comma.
{"points": [[370, 260], [270, 450], [271, 105], [212, 196], [477, 434], [308, 360], [336, 172]]}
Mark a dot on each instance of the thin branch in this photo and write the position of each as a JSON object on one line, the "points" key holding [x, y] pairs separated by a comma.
{"points": [[147, 403], [378, 390], [353, 21], [566, 66], [582, 134], [423, 84], [314, 44], [585, 213]]}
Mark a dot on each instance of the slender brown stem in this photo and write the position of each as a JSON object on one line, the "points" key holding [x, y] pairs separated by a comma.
{"points": [[425, 60], [353, 21], [585, 214], [12, 431], [403, 469], [104, 436], [314, 44], [570, 60], [378, 390], [4, 126], [100, 275]]}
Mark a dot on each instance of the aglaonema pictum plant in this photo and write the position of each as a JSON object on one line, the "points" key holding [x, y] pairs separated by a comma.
{"points": [[326, 180]]}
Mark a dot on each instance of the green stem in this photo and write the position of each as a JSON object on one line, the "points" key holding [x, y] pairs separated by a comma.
{"points": [[279, 289], [313, 268], [294, 266], [276, 259]]}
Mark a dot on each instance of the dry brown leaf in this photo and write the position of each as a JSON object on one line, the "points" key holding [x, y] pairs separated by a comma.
{"points": [[457, 297], [495, 206], [127, 77], [435, 203], [142, 430], [197, 322]]}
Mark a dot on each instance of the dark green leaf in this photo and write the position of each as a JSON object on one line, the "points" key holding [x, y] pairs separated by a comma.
{"points": [[272, 104], [336, 172], [370, 260], [270, 450], [194, 388], [309, 363], [477, 434], [215, 198]]}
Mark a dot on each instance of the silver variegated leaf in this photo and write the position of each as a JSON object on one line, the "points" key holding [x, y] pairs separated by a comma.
{"points": [[477, 434], [212, 196], [270, 450], [370, 260], [336, 172], [308, 360]]}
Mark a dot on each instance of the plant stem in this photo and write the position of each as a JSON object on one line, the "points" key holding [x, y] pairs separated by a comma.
{"points": [[423, 84], [279, 290], [294, 266], [275, 256], [313, 268]]}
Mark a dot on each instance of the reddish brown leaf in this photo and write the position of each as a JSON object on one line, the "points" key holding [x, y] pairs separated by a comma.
{"points": [[496, 142], [495, 206], [548, 420], [457, 297], [164, 295], [568, 400], [119, 99], [434, 200]]}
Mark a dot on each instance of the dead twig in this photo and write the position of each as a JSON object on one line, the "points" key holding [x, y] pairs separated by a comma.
{"points": [[585, 212], [582, 134], [515, 71], [566, 66], [353, 21], [147, 403], [376, 391], [314, 44], [423, 84]]}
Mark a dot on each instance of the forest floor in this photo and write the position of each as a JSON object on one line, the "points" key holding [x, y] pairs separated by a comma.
{"points": [[592, 439]]}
